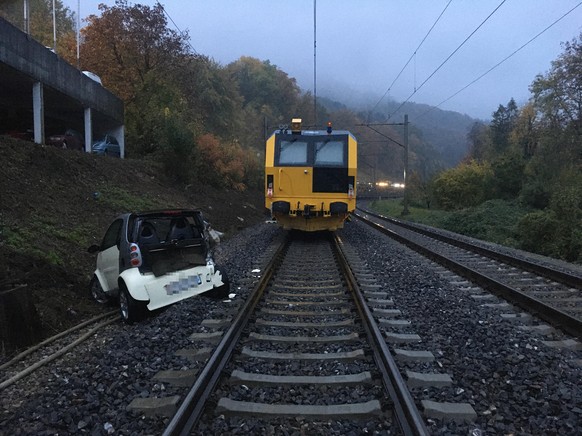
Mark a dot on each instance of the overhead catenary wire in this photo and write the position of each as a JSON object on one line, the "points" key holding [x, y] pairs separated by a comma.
{"points": [[176, 26], [501, 62], [447, 59], [411, 56]]}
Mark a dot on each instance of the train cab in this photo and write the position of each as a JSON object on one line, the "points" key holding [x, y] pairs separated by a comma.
{"points": [[310, 177]]}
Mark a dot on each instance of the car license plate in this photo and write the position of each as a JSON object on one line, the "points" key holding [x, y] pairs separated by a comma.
{"points": [[183, 284]]}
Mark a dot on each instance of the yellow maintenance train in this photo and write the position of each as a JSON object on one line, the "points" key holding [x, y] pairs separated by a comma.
{"points": [[310, 177]]}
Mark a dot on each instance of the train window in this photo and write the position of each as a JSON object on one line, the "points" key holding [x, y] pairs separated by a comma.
{"points": [[293, 152], [329, 153]]}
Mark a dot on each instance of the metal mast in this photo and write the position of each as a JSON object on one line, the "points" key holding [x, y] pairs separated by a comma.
{"points": [[315, 62]]}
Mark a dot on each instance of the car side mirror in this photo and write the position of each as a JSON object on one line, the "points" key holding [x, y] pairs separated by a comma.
{"points": [[94, 249]]}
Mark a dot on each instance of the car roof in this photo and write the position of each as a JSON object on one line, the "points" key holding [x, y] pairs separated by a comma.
{"points": [[162, 213], [168, 213]]}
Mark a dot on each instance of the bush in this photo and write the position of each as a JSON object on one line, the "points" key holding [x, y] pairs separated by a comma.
{"points": [[535, 194], [566, 204], [493, 220], [226, 163], [177, 151], [536, 232], [469, 184]]}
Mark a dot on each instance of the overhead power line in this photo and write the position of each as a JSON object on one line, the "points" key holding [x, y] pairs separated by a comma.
{"points": [[411, 56], [176, 26], [502, 61], [447, 59]]}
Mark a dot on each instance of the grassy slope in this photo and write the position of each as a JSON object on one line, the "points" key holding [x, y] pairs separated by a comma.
{"points": [[54, 203], [493, 221]]}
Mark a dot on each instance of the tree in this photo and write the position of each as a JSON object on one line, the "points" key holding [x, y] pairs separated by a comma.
{"points": [[263, 84], [213, 97], [558, 97], [125, 45], [508, 175], [269, 96], [558, 94], [525, 134], [480, 142], [142, 61], [41, 21], [501, 126]]}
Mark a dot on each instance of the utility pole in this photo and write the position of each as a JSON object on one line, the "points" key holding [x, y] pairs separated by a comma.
{"points": [[315, 63], [78, 31], [26, 17], [404, 146], [405, 211], [54, 27]]}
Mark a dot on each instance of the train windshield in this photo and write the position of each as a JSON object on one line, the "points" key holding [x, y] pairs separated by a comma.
{"points": [[293, 153], [329, 153], [312, 150]]}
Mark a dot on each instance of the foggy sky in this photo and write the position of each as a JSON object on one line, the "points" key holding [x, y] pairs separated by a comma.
{"points": [[362, 45]]}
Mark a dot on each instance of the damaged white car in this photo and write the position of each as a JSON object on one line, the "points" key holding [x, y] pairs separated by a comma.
{"points": [[152, 259]]}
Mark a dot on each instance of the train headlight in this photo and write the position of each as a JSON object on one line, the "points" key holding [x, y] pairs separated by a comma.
{"points": [[351, 190]]}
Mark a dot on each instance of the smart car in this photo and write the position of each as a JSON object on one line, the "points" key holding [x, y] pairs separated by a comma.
{"points": [[149, 260]]}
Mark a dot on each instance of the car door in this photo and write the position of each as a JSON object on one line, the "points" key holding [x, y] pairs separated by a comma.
{"points": [[108, 257]]}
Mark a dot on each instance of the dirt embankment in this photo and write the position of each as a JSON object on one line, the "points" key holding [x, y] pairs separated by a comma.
{"points": [[54, 203]]}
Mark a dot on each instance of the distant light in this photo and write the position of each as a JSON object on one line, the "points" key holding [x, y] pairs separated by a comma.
{"points": [[398, 185], [383, 184]]}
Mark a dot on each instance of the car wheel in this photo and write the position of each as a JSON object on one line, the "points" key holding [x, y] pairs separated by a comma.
{"points": [[96, 292], [221, 291], [130, 309]]}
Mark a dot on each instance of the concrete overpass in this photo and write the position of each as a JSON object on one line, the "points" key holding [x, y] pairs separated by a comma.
{"points": [[42, 93]]}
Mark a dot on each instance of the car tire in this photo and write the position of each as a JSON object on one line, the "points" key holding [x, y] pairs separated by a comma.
{"points": [[222, 291], [97, 293], [130, 309]]}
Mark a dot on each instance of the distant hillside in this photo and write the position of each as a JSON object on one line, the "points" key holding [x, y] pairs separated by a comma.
{"points": [[443, 131]]}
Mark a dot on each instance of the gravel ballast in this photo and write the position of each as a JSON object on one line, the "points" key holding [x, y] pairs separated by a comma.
{"points": [[514, 382]]}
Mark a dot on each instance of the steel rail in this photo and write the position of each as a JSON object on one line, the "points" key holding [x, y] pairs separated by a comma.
{"points": [[55, 355], [193, 405], [524, 264], [550, 314], [47, 341], [407, 414]]}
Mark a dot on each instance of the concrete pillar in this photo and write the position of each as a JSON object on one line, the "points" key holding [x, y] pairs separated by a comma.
{"points": [[88, 130], [119, 134], [38, 112]]}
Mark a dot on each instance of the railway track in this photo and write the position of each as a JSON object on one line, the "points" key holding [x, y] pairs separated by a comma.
{"points": [[547, 292], [52, 348], [306, 350], [303, 351]]}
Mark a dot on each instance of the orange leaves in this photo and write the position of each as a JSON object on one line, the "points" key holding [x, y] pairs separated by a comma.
{"points": [[224, 161]]}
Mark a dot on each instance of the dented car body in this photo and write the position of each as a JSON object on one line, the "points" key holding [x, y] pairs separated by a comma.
{"points": [[153, 259]]}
